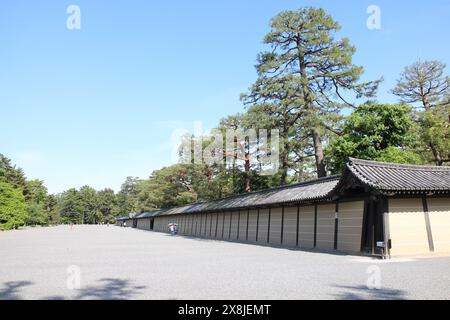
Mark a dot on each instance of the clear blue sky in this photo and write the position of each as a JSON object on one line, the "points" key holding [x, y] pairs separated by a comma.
{"points": [[93, 106]]}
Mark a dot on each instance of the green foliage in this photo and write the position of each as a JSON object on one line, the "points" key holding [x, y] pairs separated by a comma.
{"points": [[13, 209], [70, 207], [107, 205], [36, 191], [398, 155], [11, 174], [89, 201], [435, 133], [2, 175], [36, 214], [301, 83], [51, 207], [127, 199], [87, 206], [172, 186], [424, 85], [36, 197], [375, 132]]}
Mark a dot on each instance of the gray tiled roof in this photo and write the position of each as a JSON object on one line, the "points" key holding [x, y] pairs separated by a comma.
{"points": [[400, 177], [377, 175], [148, 214], [294, 193], [131, 215]]}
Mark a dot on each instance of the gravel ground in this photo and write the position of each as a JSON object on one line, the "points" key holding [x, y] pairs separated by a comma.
{"points": [[124, 263]]}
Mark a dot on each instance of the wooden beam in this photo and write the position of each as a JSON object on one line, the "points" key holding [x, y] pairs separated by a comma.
{"points": [[298, 224], [217, 224], [248, 218], [231, 219], [282, 224], [257, 225], [428, 224], [223, 225], [336, 225], [239, 224], [315, 225]]}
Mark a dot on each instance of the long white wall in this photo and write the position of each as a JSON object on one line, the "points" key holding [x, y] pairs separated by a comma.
{"points": [[305, 227]]}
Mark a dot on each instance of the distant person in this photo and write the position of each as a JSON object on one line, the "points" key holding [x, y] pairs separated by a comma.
{"points": [[124, 224], [173, 229]]}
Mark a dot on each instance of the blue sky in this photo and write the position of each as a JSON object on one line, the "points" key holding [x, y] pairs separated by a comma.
{"points": [[93, 106]]}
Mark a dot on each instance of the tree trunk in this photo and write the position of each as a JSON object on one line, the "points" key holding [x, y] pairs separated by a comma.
{"points": [[284, 158], [309, 102], [436, 155], [426, 106], [248, 185], [284, 171], [318, 151]]}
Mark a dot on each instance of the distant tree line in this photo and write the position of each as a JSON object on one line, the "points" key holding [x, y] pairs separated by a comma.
{"points": [[309, 89], [27, 202]]}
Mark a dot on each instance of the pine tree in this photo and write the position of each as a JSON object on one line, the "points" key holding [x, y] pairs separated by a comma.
{"points": [[305, 77]]}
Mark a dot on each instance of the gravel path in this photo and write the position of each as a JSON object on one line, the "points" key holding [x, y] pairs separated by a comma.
{"points": [[124, 263]]}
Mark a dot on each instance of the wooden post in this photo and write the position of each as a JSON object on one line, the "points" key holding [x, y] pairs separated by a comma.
{"points": [[282, 225], [298, 224]]}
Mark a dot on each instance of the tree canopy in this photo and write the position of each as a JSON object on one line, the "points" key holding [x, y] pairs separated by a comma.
{"points": [[373, 131], [424, 85], [303, 78], [13, 209]]}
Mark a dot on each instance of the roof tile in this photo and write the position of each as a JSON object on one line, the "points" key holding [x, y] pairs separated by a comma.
{"points": [[378, 175]]}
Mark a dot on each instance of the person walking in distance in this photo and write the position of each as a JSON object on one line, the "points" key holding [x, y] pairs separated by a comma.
{"points": [[172, 229]]}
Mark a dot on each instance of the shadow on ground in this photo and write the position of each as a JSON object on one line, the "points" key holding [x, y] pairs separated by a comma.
{"points": [[110, 289], [11, 290], [266, 245], [364, 293]]}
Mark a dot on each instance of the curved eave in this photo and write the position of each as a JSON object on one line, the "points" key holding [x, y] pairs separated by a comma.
{"points": [[429, 192], [358, 174], [360, 169]]}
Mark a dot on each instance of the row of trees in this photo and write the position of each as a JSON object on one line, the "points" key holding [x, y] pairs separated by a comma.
{"points": [[307, 78], [306, 83], [22, 201], [27, 202]]}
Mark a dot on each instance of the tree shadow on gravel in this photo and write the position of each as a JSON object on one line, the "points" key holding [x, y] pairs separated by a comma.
{"points": [[54, 298], [11, 290], [110, 289], [364, 293], [266, 245]]}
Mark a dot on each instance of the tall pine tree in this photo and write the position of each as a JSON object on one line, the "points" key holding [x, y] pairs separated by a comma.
{"points": [[306, 76]]}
